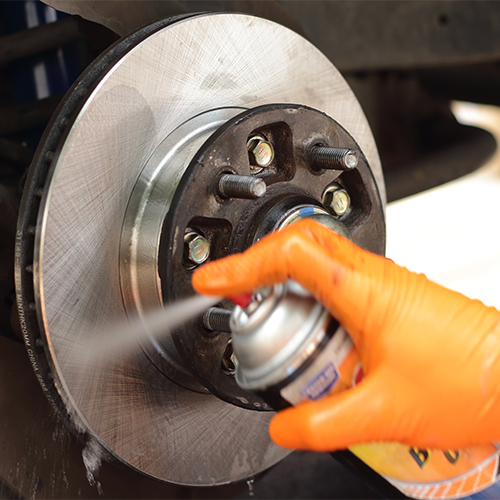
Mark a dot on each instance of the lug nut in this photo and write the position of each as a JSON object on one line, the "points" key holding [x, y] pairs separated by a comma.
{"points": [[337, 199], [196, 248], [261, 151], [333, 158], [240, 186], [216, 319]]}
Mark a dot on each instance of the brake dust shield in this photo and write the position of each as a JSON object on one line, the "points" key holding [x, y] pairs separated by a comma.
{"points": [[74, 211]]}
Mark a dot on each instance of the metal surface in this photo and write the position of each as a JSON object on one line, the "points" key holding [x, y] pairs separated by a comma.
{"points": [[337, 199], [453, 42], [335, 158], [200, 204], [179, 72], [42, 460], [197, 247], [217, 319], [231, 224], [149, 203], [240, 186], [262, 152]]}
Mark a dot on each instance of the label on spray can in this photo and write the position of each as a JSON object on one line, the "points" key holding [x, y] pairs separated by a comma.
{"points": [[323, 376], [418, 473]]}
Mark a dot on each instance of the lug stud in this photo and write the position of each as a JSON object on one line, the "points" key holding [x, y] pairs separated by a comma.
{"points": [[216, 319], [323, 157], [240, 186]]}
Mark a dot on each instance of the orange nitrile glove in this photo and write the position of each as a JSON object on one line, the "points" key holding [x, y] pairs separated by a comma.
{"points": [[431, 356]]}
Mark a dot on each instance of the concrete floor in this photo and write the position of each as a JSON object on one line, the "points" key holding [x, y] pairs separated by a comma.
{"points": [[307, 475]]}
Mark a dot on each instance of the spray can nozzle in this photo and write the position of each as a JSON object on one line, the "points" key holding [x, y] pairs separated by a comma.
{"points": [[242, 300]]}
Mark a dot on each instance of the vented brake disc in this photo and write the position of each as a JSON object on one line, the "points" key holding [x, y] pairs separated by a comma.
{"points": [[88, 248]]}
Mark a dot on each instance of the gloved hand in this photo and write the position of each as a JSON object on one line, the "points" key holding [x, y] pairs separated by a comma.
{"points": [[431, 356]]}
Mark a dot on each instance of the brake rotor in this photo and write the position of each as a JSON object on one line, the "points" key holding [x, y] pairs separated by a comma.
{"points": [[144, 107]]}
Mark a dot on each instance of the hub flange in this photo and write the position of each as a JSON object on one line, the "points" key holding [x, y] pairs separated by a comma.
{"points": [[294, 185]]}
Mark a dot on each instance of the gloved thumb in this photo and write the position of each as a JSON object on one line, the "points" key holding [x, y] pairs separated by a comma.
{"points": [[359, 415]]}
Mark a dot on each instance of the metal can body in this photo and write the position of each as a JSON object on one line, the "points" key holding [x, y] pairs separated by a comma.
{"points": [[289, 348]]}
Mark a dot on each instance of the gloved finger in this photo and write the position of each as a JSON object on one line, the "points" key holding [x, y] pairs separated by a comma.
{"points": [[269, 261], [325, 263], [287, 254], [360, 415]]}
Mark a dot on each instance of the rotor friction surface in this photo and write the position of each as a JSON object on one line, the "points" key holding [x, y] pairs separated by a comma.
{"points": [[188, 68]]}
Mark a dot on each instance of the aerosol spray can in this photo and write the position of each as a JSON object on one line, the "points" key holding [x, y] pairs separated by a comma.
{"points": [[289, 348]]}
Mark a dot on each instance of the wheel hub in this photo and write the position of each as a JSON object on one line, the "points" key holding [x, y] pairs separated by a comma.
{"points": [[294, 189]]}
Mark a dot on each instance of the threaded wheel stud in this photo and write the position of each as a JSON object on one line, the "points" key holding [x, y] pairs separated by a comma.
{"points": [[240, 186], [323, 157], [216, 319]]}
